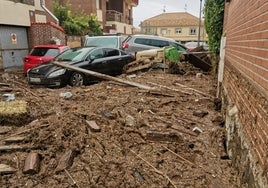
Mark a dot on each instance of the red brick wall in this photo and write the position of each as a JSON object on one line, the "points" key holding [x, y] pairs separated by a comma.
{"points": [[247, 33], [42, 33], [245, 85]]}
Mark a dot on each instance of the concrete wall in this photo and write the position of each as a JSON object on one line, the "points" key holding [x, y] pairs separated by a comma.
{"points": [[245, 89]]}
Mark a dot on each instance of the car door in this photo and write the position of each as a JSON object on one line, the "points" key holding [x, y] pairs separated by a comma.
{"points": [[114, 61], [97, 61], [94, 62]]}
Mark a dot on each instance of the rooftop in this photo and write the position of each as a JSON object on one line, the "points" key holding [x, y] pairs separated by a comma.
{"points": [[171, 19]]}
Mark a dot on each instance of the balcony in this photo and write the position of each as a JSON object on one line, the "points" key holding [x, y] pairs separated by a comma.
{"points": [[113, 15]]}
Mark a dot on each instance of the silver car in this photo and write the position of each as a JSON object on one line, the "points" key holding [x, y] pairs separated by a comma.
{"points": [[135, 43], [111, 41]]}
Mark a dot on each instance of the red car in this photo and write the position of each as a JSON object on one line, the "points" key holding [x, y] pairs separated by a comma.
{"points": [[41, 54]]}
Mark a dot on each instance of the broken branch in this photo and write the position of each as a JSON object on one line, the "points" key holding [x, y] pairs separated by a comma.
{"points": [[157, 171]]}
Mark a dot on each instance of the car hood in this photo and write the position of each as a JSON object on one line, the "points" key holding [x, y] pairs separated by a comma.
{"points": [[49, 67]]}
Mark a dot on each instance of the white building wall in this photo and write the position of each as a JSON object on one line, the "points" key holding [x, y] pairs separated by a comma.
{"points": [[12, 13]]}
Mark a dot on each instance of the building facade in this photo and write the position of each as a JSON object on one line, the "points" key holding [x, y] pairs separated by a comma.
{"points": [[243, 81], [115, 16], [26, 23], [180, 26], [17, 32]]}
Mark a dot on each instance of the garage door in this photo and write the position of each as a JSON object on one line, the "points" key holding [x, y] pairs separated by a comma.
{"points": [[13, 46]]}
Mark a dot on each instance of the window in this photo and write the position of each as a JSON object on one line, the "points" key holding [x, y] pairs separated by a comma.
{"points": [[192, 31], [96, 54], [159, 43], [44, 52], [178, 31], [142, 41], [163, 31], [28, 2], [111, 52]]}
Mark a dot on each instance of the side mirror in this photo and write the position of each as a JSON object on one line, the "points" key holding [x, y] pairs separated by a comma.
{"points": [[90, 57]]}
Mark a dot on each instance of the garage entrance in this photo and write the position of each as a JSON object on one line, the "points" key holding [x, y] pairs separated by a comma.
{"points": [[13, 46]]}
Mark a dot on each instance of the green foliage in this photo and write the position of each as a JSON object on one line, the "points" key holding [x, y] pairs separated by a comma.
{"points": [[214, 14], [76, 24]]}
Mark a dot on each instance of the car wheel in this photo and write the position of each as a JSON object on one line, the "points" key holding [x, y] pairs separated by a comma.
{"points": [[77, 79]]}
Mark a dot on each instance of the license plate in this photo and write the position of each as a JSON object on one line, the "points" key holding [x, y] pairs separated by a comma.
{"points": [[35, 80]]}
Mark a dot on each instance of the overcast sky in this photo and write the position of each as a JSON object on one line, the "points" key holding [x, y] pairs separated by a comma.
{"points": [[150, 8]]}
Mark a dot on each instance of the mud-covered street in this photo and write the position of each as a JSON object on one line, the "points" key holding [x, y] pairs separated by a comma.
{"points": [[114, 135]]}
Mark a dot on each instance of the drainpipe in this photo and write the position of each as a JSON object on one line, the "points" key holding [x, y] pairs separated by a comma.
{"points": [[42, 2]]}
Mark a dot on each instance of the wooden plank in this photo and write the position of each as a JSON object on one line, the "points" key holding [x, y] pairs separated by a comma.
{"points": [[11, 148], [32, 164], [66, 160], [102, 76], [160, 136], [6, 169], [14, 139]]}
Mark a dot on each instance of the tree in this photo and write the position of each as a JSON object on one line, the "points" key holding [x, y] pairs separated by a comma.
{"points": [[79, 24], [214, 15]]}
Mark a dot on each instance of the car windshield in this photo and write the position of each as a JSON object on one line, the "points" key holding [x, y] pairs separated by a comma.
{"points": [[44, 52], [102, 41], [74, 54]]}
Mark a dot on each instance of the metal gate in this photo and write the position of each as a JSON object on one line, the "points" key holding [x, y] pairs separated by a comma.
{"points": [[13, 46]]}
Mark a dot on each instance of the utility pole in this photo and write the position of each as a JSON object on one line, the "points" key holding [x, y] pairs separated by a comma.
{"points": [[198, 43]]}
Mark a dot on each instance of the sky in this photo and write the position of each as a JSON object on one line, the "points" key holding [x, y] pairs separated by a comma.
{"points": [[150, 8]]}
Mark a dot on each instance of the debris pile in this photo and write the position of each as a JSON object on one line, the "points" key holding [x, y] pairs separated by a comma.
{"points": [[112, 134]]}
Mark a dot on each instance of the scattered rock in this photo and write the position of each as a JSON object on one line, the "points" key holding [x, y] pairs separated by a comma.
{"points": [[93, 126], [219, 120], [197, 130], [200, 113], [108, 115], [130, 121], [66, 95]]}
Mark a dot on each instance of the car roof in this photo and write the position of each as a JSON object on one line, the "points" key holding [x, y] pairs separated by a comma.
{"points": [[104, 36], [50, 46], [95, 47], [152, 37]]}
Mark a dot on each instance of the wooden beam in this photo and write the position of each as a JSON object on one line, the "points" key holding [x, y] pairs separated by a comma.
{"points": [[102, 76]]}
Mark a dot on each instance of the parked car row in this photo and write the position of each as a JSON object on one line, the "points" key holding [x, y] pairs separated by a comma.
{"points": [[133, 43], [103, 54], [109, 61]]}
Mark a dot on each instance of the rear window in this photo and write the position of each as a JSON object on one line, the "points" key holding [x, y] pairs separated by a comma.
{"points": [[143, 41], [102, 41], [159, 43], [44, 52]]}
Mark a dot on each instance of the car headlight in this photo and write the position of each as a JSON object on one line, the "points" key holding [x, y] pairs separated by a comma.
{"points": [[56, 73]]}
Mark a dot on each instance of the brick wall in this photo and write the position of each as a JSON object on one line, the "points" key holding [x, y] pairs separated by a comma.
{"points": [[245, 88], [43, 33]]}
